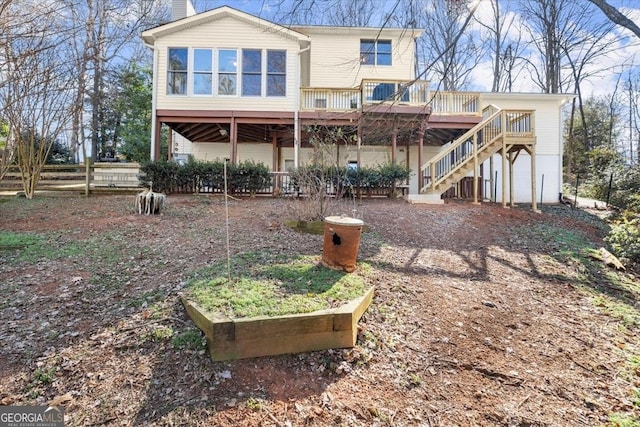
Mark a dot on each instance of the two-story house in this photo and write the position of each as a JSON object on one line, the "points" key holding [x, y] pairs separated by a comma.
{"points": [[235, 86]]}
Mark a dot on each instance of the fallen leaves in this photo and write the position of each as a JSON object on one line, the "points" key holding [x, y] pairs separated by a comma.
{"points": [[465, 328]]}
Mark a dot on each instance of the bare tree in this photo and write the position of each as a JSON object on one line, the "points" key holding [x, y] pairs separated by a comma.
{"points": [[449, 51], [7, 147], [583, 49], [105, 36], [506, 49], [34, 94], [632, 92], [548, 22], [355, 13], [616, 16]]}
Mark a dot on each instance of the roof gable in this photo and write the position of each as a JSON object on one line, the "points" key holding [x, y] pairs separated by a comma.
{"points": [[371, 32], [149, 36]]}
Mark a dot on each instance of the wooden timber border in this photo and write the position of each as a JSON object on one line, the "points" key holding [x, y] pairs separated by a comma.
{"points": [[230, 339]]}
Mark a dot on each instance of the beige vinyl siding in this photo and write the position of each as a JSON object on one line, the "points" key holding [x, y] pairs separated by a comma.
{"points": [[547, 116], [546, 165], [286, 154], [211, 151], [181, 145], [335, 59], [548, 129], [227, 33], [259, 153], [428, 152], [371, 156]]}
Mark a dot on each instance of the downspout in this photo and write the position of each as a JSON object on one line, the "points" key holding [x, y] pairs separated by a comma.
{"points": [[296, 112], [154, 100], [561, 117]]}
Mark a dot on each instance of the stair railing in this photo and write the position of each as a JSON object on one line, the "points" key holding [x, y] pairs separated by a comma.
{"points": [[464, 148]]}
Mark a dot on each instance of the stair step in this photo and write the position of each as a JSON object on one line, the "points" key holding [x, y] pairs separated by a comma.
{"points": [[463, 168]]}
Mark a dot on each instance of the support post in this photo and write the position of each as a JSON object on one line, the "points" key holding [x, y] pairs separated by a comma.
{"points": [[234, 141], [420, 158], [157, 140], [296, 140], [87, 180], [475, 169], [275, 158], [504, 174], [394, 142], [358, 145], [511, 180], [275, 162], [534, 204], [491, 180]]}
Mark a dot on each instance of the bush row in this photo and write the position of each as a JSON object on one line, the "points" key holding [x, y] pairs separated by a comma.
{"points": [[191, 177], [250, 177], [385, 176]]}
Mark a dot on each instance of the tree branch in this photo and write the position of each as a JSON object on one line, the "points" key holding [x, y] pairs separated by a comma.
{"points": [[616, 16]]}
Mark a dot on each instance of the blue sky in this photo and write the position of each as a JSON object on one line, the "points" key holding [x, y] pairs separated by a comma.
{"points": [[624, 51]]}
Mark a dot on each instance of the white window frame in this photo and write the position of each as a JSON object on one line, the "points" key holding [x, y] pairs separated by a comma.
{"points": [[237, 73], [184, 72], [193, 71]]}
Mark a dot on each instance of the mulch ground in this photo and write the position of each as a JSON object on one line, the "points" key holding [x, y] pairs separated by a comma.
{"points": [[479, 318]]}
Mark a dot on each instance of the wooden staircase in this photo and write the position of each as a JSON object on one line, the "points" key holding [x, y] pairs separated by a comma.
{"points": [[500, 130]]}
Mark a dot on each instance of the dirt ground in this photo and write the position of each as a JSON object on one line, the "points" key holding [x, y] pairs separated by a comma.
{"points": [[479, 319]]}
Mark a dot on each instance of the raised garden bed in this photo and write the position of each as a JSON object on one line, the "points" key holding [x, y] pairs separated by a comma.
{"points": [[229, 339], [277, 306]]}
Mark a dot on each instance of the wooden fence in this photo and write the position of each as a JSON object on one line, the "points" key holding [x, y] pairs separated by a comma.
{"points": [[124, 177], [81, 178]]}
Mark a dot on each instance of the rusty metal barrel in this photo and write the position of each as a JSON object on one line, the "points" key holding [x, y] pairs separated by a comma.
{"points": [[341, 242]]}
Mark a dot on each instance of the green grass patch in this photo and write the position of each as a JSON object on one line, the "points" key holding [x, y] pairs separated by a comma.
{"points": [[191, 339], [33, 247], [615, 293], [562, 243], [44, 376], [265, 285], [19, 241]]}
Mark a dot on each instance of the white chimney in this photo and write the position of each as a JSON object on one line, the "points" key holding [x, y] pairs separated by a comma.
{"points": [[181, 9]]}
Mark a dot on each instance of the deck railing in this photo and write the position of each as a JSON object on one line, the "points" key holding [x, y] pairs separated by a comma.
{"points": [[510, 124], [455, 103], [330, 99], [399, 92]]}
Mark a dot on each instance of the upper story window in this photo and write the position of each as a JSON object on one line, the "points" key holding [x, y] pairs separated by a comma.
{"points": [[202, 71], [375, 52], [211, 71], [177, 71], [276, 73], [227, 72], [251, 72]]}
